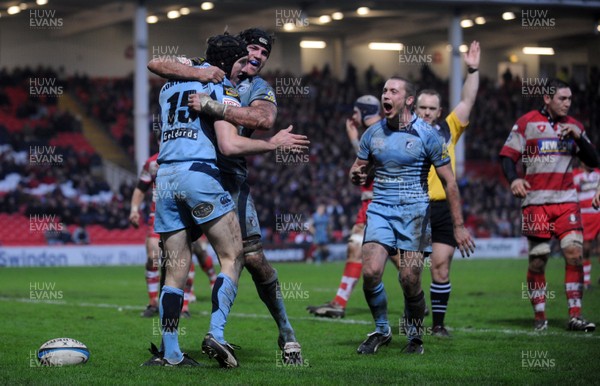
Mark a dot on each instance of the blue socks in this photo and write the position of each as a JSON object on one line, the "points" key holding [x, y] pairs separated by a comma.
{"points": [[171, 300], [223, 295], [377, 301]]}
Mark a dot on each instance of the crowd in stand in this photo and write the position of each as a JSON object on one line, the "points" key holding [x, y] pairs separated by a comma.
{"points": [[489, 208], [39, 180], [110, 102], [286, 187]]}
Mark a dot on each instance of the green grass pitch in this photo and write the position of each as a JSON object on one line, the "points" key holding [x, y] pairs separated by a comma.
{"points": [[491, 325]]}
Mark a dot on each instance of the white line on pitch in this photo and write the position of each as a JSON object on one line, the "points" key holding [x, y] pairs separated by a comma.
{"points": [[313, 319]]}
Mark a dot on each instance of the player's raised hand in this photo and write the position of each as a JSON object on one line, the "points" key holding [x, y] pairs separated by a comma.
{"points": [[211, 74], [471, 57], [352, 129], [285, 138], [519, 188], [464, 241]]}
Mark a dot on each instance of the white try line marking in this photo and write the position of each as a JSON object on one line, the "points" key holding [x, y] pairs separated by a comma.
{"points": [[505, 331]]}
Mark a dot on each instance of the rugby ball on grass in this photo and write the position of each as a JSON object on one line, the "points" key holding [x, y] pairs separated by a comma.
{"points": [[63, 352]]}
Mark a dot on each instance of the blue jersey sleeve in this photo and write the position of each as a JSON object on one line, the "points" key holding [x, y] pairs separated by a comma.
{"points": [[436, 148], [261, 90], [364, 148]]}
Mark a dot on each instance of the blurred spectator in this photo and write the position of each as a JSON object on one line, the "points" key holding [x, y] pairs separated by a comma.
{"points": [[320, 228], [80, 235], [58, 234]]}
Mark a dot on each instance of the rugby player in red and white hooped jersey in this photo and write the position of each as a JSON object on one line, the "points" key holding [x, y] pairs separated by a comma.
{"points": [[547, 140], [586, 181], [145, 182]]}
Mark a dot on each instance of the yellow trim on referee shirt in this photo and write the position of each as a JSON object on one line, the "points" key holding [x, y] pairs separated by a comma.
{"points": [[436, 189]]}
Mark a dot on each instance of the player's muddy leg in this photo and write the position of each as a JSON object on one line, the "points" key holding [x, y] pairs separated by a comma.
{"points": [[225, 236], [374, 258], [411, 269], [205, 260], [267, 285]]}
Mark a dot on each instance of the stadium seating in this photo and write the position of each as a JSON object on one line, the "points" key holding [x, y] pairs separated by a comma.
{"points": [[293, 188], [72, 140]]}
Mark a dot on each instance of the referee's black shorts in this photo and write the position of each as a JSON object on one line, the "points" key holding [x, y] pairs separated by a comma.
{"points": [[442, 229]]}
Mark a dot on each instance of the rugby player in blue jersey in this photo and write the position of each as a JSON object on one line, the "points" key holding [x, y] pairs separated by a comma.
{"points": [[258, 112], [401, 149], [191, 200]]}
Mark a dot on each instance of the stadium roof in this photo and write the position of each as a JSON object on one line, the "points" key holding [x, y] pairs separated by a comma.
{"points": [[386, 21]]}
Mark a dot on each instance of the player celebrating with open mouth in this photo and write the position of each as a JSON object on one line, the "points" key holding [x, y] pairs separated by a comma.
{"points": [[401, 148]]}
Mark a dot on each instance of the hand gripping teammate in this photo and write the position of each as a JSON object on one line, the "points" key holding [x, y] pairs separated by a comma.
{"points": [[258, 112]]}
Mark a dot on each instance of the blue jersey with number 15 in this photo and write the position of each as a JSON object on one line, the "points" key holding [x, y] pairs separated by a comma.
{"points": [[185, 134]]}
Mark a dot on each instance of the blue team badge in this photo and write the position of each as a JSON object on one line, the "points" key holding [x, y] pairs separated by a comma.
{"points": [[410, 148], [242, 88], [253, 221], [225, 199]]}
